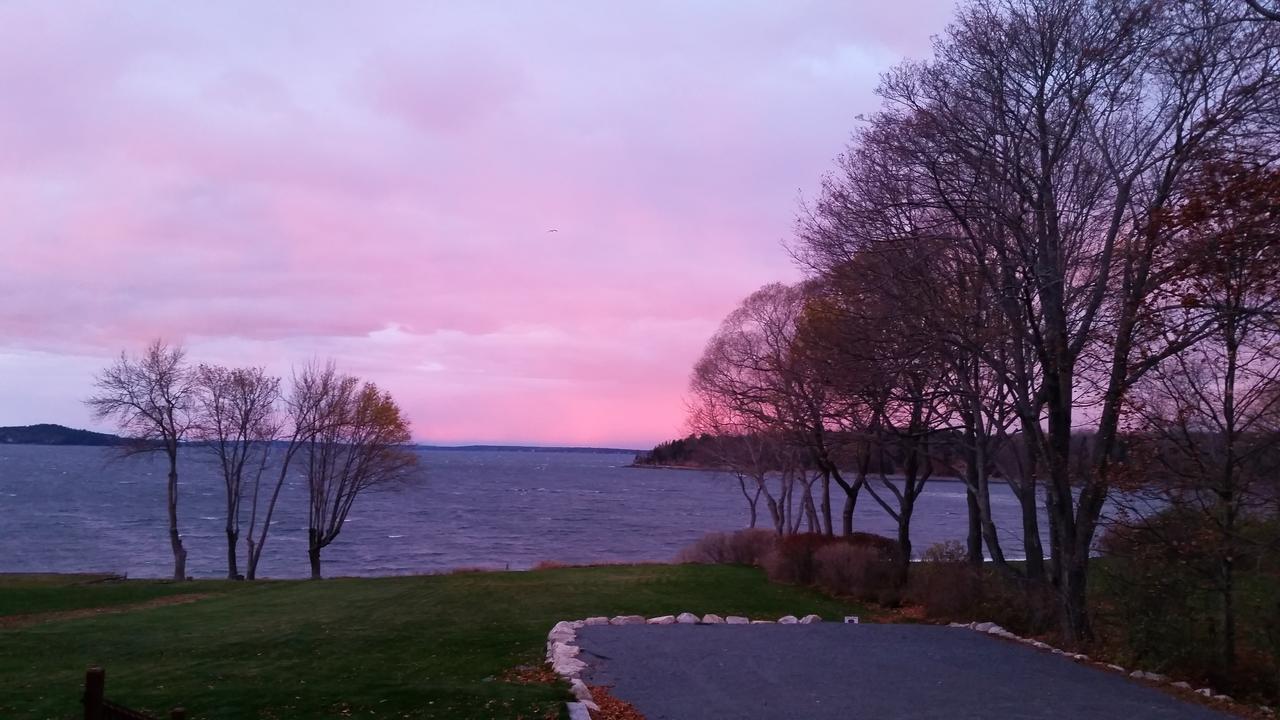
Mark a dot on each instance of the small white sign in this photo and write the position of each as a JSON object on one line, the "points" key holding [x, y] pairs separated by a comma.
{"points": [[851, 619]]}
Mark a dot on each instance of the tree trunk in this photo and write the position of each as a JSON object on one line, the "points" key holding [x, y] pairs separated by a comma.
{"points": [[1031, 544], [252, 573], [233, 539], [314, 553], [826, 504], [175, 539], [974, 539]]}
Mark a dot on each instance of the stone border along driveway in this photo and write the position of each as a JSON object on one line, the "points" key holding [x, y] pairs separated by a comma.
{"points": [[562, 652]]}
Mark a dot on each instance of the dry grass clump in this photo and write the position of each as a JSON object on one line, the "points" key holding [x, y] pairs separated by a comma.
{"points": [[744, 547]]}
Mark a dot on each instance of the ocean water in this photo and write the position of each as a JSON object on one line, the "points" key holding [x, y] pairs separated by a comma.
{"points": [[84, 509]]}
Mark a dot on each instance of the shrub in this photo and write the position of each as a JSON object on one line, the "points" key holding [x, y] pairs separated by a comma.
{"points": [[949, 551], [744, 547], [860, 571], [791, 560]]}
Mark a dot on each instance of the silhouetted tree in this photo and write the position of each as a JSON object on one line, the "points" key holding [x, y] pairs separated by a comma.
{"points": [[151, 399], [235, 421], [357, 444]]}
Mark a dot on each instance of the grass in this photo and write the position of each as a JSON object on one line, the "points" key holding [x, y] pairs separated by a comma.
{"points": [[31, 594], [409, 647]]}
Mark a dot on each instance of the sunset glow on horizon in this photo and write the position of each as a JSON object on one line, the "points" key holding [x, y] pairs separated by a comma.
{"points": [[523, 220]]}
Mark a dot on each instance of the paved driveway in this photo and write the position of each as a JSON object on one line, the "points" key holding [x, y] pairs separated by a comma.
{"points": [[832, 671]]}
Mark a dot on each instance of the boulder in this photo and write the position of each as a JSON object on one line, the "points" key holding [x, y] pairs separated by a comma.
{"points": [[580, 690], [763, 622], [1116, 668], [1223, 698], [663, 620], [579, 711], [562, 631], [788, 620], [958, 625], [596, 621], [577, 624], [1080, 658], [1207, 692], [984, 626], [712, 619], [627, 620], [736, 620], [568, 667], [994, 629], [810, 619], [686, 618], [1182, 685], [1148, 676], [564, 650]]}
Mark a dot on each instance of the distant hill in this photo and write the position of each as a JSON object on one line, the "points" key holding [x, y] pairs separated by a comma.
{"points": [[525, 448], [46, 434]]}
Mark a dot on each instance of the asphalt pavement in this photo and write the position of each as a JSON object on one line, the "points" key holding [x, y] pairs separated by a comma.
{"points": [[832, 671]]}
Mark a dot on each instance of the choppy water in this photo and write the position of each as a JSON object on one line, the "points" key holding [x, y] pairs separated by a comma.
{"points": [[65, 509]]}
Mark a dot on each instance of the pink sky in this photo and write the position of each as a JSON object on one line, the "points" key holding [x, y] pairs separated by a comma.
{"points": [[273, 184]]}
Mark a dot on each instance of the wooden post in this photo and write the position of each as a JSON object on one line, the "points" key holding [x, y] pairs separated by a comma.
{"points": [[95, 681], [178, 714]]}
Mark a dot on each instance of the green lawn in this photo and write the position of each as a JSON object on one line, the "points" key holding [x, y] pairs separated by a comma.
{"points": [[411, 647]]}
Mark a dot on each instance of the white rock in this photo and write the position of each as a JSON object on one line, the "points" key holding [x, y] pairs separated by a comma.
{"points": [[580, 690], [1057, 651], [564, 650], [579, 711], [596, 621], [1080, 658], [762, 622], [712, 619], [1223, 698], [958, 625], [577, 624], [627, 620], [810, 619], [1002, 633], [1117, 668], [562, 632], [1149, 676], [984, 626], [569, 667], [1207, 692], [663, 620], [556, 637], [686, 618], [1041, 646], [994, 629], [788, 620], [1182, 685], [736, 620], [1266, 711]]}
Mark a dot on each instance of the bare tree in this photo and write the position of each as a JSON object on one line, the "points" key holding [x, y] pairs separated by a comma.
{"points": [[151, 398], [235, 411], [1268, 13], [304, 408], [1055, 135], [1211, 412], [358, 444]]}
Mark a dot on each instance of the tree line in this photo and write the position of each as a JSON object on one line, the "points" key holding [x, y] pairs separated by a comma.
{"points": [[340, 434], [1049, 259]]}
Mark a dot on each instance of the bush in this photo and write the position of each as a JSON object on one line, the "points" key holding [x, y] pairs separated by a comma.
{"points": [[791, 560], [744, 547], [859, 571], [949, 551]]}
